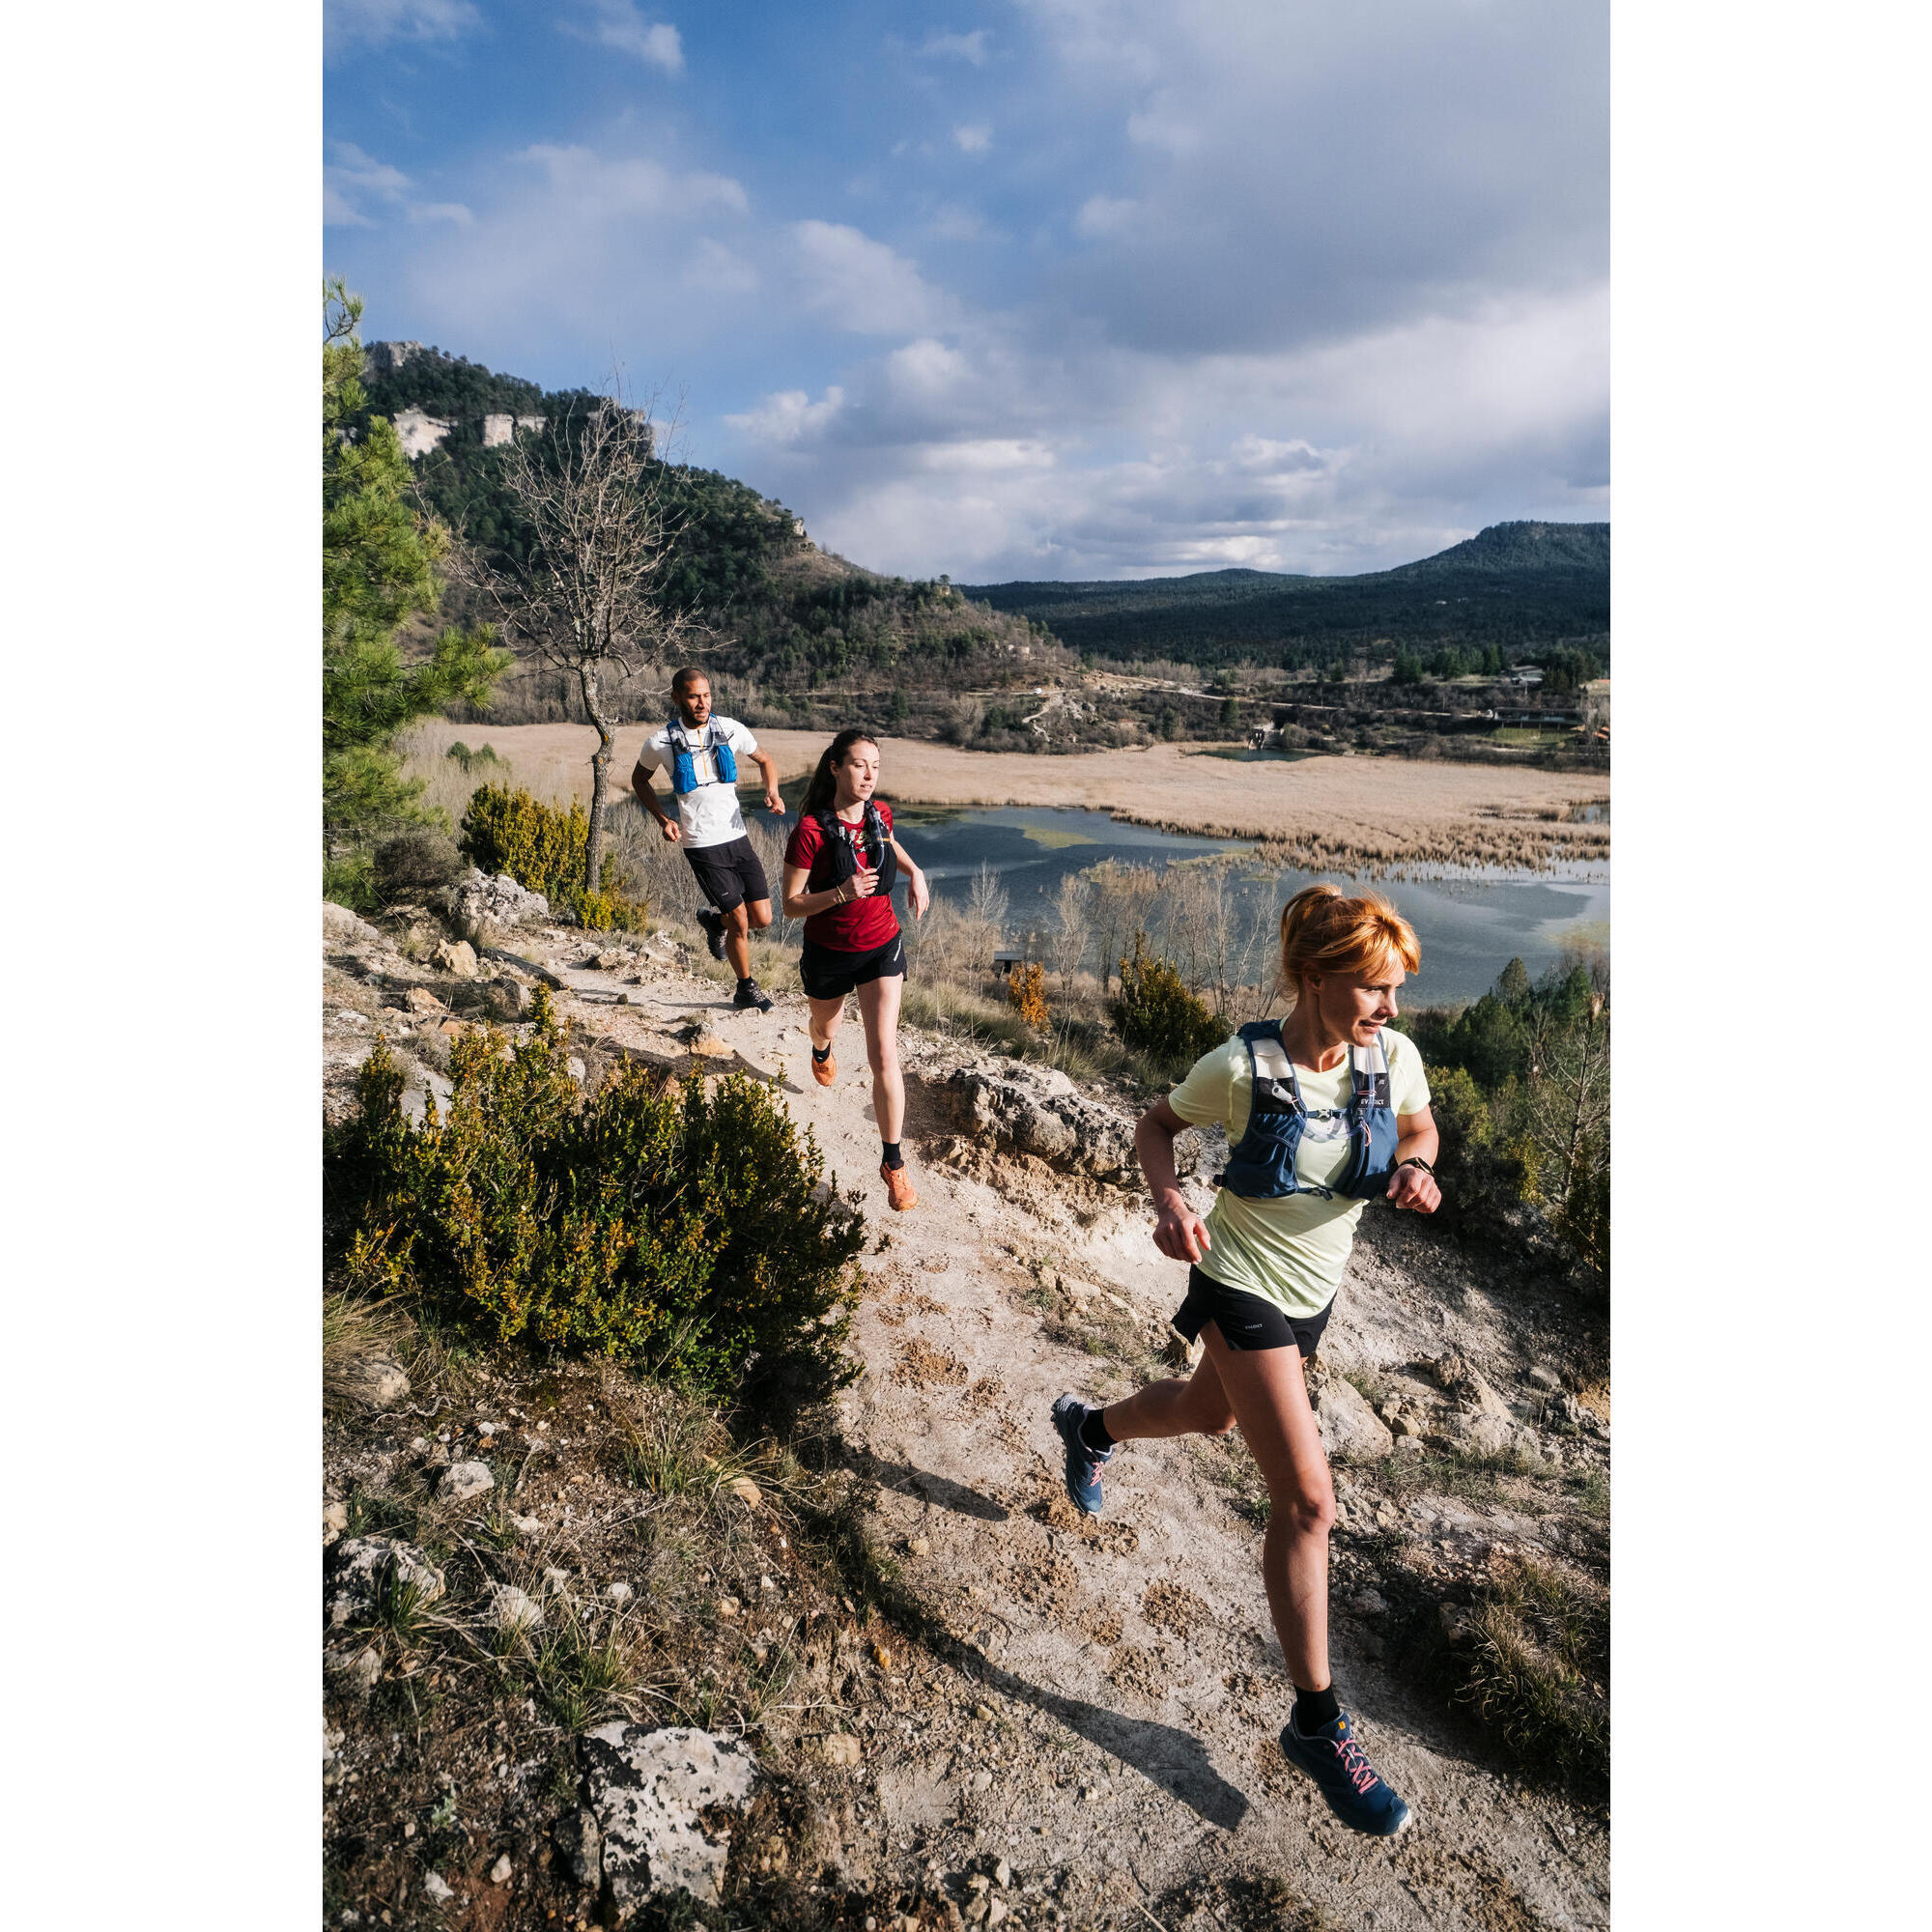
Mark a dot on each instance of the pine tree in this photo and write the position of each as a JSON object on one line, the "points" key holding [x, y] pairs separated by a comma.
{"points": [[378, 559]]}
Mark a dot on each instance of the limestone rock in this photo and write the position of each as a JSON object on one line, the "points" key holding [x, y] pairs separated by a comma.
{"points": [[375, 1382], [357, 1566], [657, 1796], [455, 956], [576, 1835], [499, 1872], [356, 1670], [1545, 1377], [463, 1480], [839, 1748], [1037, 1111], [436, 1890], [420, 1000], [1469, 1428], [486, 910], [334, 1520], [1351, 1430], [342, 927], [510, 1608], [1458, 1379]]}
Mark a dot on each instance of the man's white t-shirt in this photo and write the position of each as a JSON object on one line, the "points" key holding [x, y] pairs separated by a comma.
{"points": [[709, 815]]}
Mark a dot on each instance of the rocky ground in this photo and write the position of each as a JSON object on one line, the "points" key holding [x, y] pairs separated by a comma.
{"points": [[897, 1678]]}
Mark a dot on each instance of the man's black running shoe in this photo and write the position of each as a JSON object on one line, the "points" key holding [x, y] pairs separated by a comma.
{"points": [[753, 996], [713, 923]]}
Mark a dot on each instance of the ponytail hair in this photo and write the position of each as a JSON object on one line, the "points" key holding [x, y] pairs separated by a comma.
{"points": [[1323, 931], [823, 789]]}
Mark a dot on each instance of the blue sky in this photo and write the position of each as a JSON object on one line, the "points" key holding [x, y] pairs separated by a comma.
{"points": [[1031, 288]]}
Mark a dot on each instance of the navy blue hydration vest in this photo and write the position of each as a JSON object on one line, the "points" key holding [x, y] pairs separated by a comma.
{"points": [[843, 862], [684, 766], [1261, 1165]]}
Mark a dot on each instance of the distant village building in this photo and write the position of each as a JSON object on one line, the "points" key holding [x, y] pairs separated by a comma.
{"points": [[1005, 962], [1530, 675]]}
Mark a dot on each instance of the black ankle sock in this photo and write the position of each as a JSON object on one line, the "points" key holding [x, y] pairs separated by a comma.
{"points": [[1093, 1431], [822, 1054], [1315, 1709], [743, 984], [894, 1158]]}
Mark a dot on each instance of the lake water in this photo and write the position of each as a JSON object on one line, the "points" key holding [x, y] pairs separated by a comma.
{"points": [[1470, 927]]}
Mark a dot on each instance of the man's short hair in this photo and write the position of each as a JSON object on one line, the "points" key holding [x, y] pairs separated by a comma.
{"points": [[688, 675]]}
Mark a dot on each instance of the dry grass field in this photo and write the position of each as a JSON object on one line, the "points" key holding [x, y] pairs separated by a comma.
{"points": [[1372, 816]]}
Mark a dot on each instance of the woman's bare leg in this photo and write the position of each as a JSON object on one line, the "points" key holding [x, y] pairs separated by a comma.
{"points": [[879, 1009], [1197, 1405], [1269, 1398], [826, 1014]]}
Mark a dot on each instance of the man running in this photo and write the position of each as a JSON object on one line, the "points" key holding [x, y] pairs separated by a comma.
{"points": [[700, 751]]}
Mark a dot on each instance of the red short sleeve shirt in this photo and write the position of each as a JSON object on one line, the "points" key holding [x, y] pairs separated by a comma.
{"points": [[864, 924]]}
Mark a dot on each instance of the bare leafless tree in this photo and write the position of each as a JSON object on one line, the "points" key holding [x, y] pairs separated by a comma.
{"points": [[587, 597]]}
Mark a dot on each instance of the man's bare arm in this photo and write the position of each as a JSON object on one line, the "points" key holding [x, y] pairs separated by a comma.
{"points": [[648, 797], [769, 765]]}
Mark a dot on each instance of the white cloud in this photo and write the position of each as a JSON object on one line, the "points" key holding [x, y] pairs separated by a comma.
{"points": [[713, 269], [860, 284], [444, 211], [975, 139], [618, 24], [594, 186], [1101, 215], [352, 181], [789, 416], [970, 47], [375, 23]]}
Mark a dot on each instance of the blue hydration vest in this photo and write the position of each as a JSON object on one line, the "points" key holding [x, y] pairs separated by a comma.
{"points": [[1261, 1167], [684, 766]]}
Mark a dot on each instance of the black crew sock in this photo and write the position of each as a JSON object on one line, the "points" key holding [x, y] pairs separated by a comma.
{"points": [[1315, 1709], [894, 1158], [1093, 1431], [743, 984], [822, 1054]]}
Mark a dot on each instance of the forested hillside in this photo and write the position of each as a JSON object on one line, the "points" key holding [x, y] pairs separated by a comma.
{"points": [[779, 612], [1523, 587]]}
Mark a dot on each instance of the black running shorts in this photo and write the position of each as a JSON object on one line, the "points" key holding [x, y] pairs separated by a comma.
{"points": [[830, 974], [729, 875], [1246, 1321]]}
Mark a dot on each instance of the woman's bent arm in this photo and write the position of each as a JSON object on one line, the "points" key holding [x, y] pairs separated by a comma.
{"points": [[1178, 1233]]}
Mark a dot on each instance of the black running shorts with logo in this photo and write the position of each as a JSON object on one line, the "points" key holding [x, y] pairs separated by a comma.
{"points": [[1246, 1321], [729, 875], [830, 974]]}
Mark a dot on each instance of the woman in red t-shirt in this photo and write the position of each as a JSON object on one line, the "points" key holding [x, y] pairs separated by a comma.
{"points": [[839, 867]]}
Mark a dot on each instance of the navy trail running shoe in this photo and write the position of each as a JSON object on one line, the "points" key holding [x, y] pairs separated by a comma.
{"points": [[713, 923], [1082, 1465], [1356, 1792]]}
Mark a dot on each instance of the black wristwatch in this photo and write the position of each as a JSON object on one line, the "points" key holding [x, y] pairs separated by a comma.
{"points": [[1416, 1160]]}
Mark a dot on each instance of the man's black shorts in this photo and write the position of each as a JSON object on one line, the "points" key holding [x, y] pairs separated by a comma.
{"points": [[830, 974], [1246, 1321], [729, 875]]}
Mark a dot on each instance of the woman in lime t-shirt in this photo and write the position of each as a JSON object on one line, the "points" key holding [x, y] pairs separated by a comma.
{"points": [[1343, 1117]]}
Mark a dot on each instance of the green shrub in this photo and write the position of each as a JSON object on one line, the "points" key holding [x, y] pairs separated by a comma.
{"points": [[677, 1226], [415, 863], [1157, 1015], [506, 830], [484, 755], [1538, 1672], [1482, 1170]]}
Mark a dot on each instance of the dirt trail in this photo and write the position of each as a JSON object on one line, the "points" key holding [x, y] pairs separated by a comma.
{"points": [[1134, 1684]]}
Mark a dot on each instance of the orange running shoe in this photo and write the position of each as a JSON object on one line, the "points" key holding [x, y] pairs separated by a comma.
{"points": [[825, 1071], [899, 1191]]}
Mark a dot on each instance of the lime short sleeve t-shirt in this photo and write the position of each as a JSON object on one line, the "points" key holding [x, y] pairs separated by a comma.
{"points": [[1292, 1250]]}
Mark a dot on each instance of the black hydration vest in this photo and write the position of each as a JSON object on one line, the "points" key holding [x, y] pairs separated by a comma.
{"points": [[843, 862]]}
